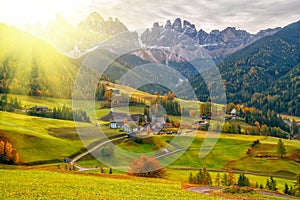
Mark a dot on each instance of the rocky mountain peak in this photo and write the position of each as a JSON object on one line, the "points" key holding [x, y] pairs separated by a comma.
{"points": [[168, 25], [177, 25], [94, 21], [156, 25], [219, 43], [189, 29]]}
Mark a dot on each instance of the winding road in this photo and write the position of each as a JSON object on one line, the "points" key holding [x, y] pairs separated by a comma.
{"points": [[72, 162]]}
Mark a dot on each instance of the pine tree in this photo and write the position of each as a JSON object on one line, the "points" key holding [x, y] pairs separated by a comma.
{"points": [[224, 180], [241, 180], [261, 186], [191, 178], [273, 184], [208, 178], [217, 179], [256, 184], [268, 185], [281, 148], [231, 179], [297, 186], [286, 189]]}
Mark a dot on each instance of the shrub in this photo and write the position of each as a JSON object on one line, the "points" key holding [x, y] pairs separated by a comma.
{"points": [[107, 151], [146, 167], [254, 143]]}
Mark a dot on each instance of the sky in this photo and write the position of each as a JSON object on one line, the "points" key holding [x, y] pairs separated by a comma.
{"points": [[250, 15]]}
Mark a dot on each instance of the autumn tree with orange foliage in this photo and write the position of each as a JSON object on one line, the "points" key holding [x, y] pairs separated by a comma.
{"points": [[8, 154], [146, 167]]}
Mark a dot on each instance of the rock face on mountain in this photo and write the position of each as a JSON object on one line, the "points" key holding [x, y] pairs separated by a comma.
{"points": [[217, 43], [88, 34], [75, 41]]}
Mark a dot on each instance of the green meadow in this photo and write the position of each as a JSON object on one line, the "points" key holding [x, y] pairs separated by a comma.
{"points": [[57, 185]]}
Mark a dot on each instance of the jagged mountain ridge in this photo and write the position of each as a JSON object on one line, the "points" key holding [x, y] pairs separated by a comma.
{"points": [[76, 41], [217, 43]]}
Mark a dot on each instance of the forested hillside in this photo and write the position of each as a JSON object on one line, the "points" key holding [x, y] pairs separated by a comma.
{"points": [[30, 66], [267, 68]]}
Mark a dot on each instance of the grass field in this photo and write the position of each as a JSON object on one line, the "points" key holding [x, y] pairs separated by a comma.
{"points": [[42, 140], [41, 184], [56, 185], [230, 151]]}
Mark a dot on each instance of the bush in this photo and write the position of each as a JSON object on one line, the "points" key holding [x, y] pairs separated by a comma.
{"points": [[254, 143], [107, 151], [138, 140], [146, 167]]}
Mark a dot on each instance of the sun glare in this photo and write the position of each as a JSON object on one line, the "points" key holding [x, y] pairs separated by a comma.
{"points": [[21, 13]]}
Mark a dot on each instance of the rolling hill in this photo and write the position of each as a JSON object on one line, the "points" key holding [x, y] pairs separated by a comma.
{"points": [[31, 66]]}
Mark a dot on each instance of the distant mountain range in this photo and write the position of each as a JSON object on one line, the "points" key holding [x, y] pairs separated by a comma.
{"points": [[77, 41], [217, 43]]}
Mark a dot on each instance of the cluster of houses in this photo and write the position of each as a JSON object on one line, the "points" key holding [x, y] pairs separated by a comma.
{"points": [[128, 122]]}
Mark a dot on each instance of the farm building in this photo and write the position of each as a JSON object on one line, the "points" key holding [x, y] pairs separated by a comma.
{"points": [[39, 109], [116, 119]]}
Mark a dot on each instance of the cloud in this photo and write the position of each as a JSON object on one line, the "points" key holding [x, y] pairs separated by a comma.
{"points": [[251, 15]]}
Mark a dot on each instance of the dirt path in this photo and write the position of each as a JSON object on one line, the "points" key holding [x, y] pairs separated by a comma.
{"points": [[91, 150], [169, 153], [275, 194], [204, 189]]}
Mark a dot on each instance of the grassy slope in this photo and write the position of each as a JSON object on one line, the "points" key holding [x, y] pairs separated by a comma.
{"points": [[44, 140], [56, 72], [34, 141], [89, 106], [230, 151], [55, 185]]}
